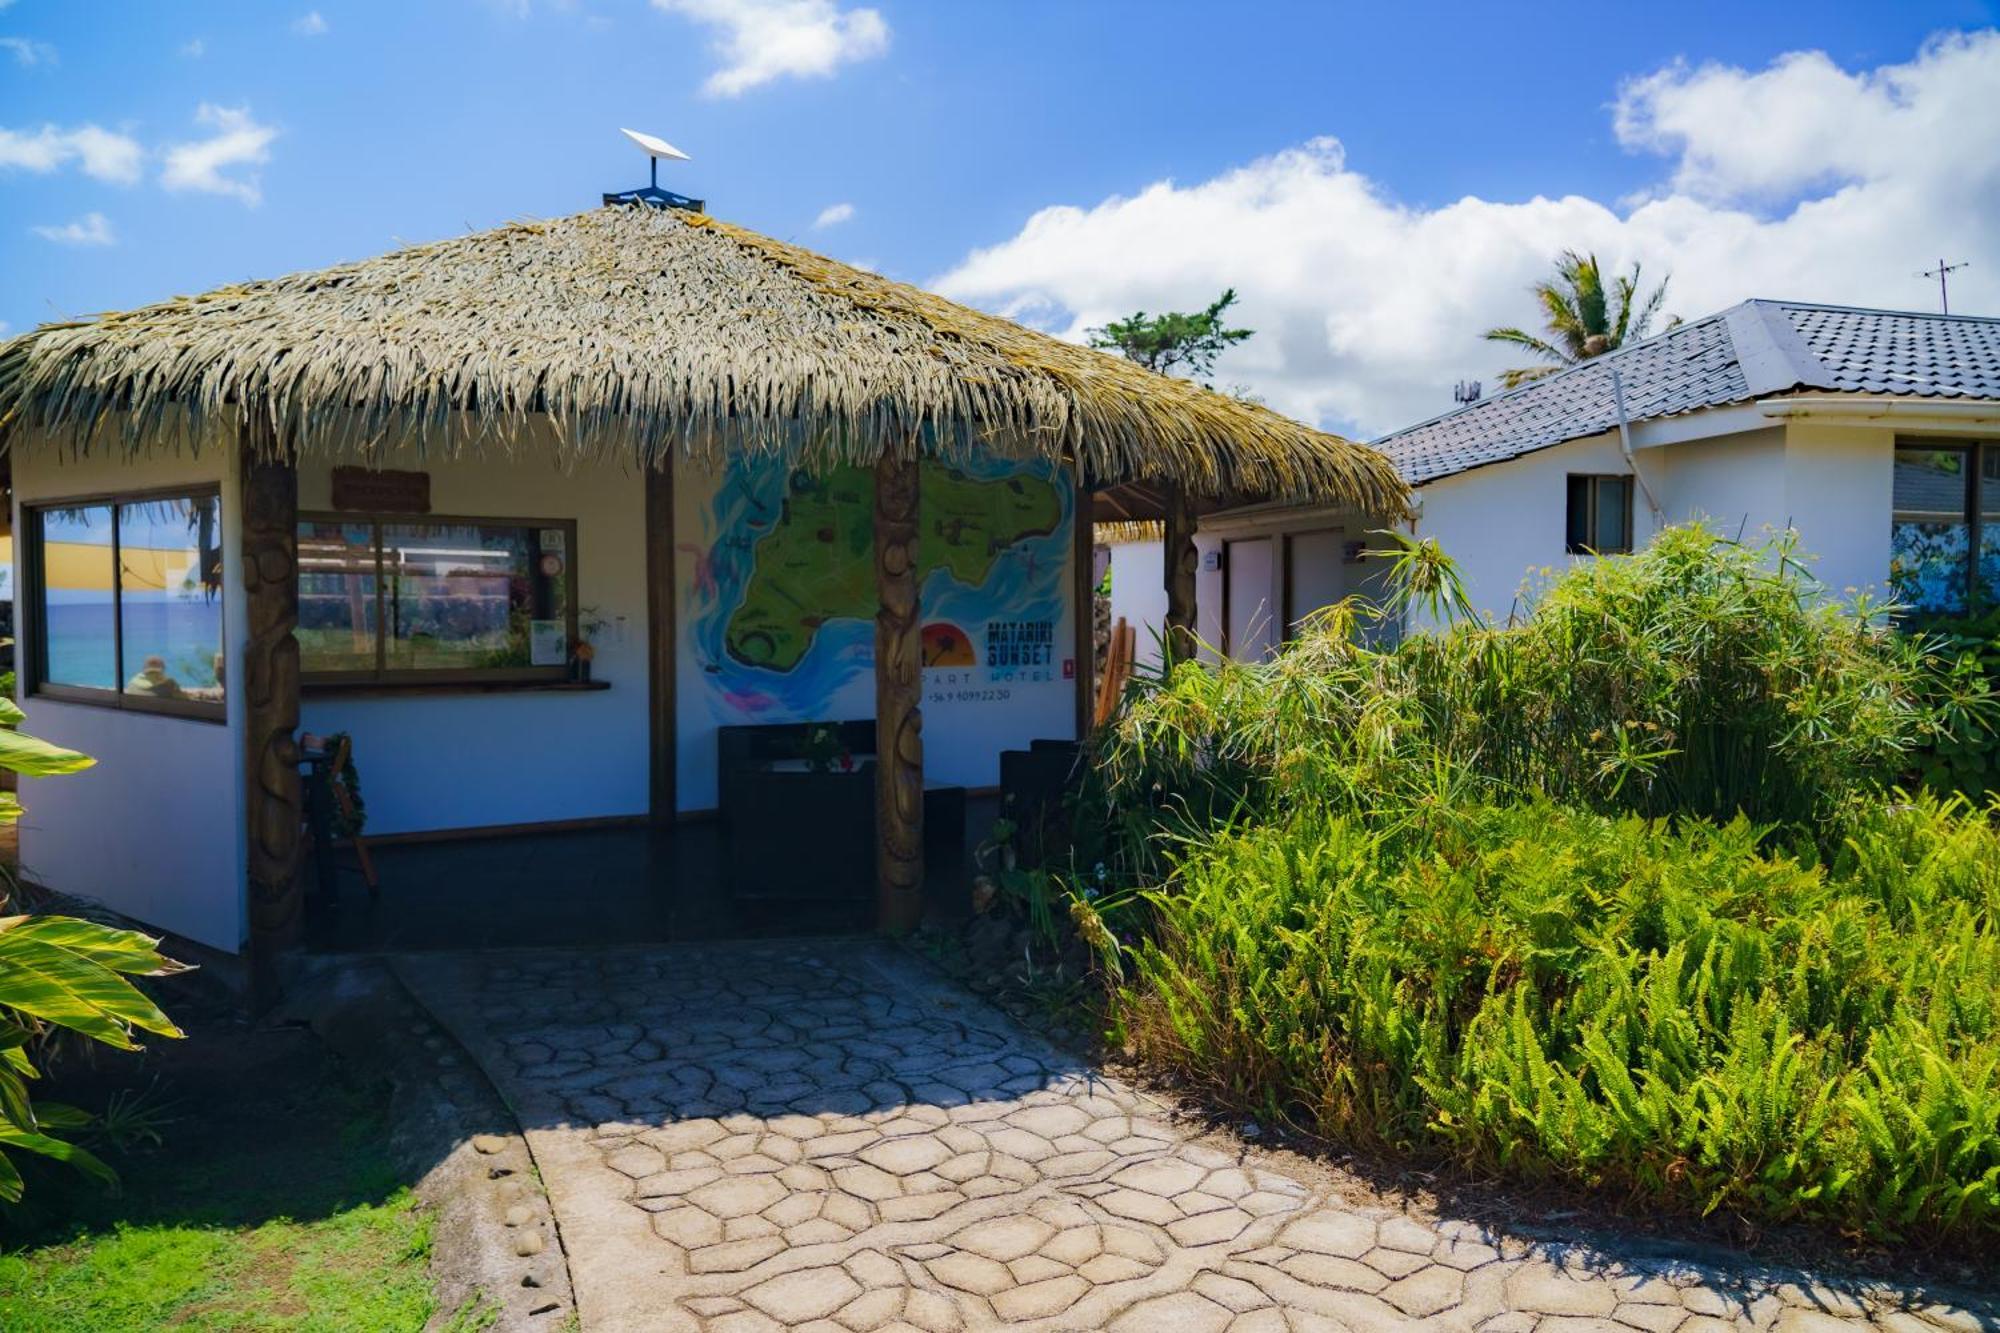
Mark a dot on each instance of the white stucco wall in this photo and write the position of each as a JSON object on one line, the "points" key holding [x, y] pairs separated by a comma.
{"points": [[1829, 482], [155, 829], [1838, 491], [1139, 595], [1504, 522], [432, 762], [1734, 483]]}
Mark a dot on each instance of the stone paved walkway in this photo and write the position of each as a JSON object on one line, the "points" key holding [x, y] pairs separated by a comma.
{"points": [[827, 1137]]}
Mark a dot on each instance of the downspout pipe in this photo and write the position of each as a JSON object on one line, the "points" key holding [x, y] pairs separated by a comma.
{"points": [[1625, 444]]}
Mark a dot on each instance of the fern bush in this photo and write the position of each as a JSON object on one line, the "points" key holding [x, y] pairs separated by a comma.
{"points": [[1675, 1013], [1621, 894]]}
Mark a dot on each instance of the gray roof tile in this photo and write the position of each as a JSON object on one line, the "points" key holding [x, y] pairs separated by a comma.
{"points": [[1748, 351]]}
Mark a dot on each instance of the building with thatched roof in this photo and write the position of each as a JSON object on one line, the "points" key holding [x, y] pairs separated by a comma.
{"points": [[531, 513]]}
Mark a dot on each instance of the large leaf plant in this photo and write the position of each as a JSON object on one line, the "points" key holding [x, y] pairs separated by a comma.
{"points": [[59, 972]]}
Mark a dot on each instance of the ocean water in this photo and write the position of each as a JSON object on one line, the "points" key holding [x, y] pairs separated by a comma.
{"points": [[82, 641]]}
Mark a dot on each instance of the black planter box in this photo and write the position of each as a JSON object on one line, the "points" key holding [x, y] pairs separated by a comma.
{"points": [[802, 835], [792, 834]]}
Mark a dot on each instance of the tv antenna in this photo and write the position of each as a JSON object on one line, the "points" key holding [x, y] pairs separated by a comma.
{"points": [[1466, 391], [655, 149], [1941, 272]]}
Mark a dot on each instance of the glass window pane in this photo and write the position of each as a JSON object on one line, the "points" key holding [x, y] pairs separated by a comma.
{"points": [[1578, 536], [1929, 541], [1989, 526], [1614, 511], [170, 597], [470, 596], [79, 633], [336, 596]]}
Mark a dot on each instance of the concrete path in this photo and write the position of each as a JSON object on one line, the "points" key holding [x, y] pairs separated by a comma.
{"points": [[825, 1136]]}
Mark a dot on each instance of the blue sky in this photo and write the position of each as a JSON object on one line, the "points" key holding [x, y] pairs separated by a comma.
{"points": [[1379, 181]]}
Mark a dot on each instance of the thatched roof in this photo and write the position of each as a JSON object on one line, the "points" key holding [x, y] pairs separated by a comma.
{"points": [[641, 330]]}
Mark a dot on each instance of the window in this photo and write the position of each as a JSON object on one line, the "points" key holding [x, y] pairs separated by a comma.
{"points": [[1600, 515], [394, 598], [1944, 533], [126, 600]]}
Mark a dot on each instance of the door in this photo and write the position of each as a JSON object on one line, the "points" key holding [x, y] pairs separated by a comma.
{"points": [[1249, 619]]}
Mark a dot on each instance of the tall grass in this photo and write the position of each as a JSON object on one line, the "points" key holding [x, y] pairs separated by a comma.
{"points": [[1700, 677], [1619, 894]]}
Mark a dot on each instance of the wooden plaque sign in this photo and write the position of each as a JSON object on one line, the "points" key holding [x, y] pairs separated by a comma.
{"points": [[381, 492]]}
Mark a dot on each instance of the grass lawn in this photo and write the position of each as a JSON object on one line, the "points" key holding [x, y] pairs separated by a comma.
{"points": [[271, 1204]]}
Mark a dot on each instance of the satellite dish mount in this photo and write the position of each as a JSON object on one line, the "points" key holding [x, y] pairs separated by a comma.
{"points": [[652, 195]]}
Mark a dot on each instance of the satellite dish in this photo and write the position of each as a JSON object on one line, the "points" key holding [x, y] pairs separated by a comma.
{"points": [[656, 148]]}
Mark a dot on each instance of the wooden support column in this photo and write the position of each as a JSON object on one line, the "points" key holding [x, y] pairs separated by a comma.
{"points": [[663, 803], [269, 681], [899, 683], [1180, 561], [1084, 558]]}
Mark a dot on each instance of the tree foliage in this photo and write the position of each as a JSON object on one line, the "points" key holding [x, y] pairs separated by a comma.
{"points": [[1583, 317], [1173, 341]]}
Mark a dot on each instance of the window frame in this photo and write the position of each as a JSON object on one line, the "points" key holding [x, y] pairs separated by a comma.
{"points": [[1593, 484], [34, 667], [1977, 601], [384, 677]]}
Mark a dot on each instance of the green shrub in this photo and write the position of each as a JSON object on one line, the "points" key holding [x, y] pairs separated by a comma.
{"points": [[1620, 894], [1667, 1013], [1965, 758], [1699, 677]]}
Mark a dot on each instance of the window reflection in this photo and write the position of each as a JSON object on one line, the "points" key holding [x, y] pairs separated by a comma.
{"points": [[1930, 540], [337, 604], [402, 595], [79, 620], [170, 597]]}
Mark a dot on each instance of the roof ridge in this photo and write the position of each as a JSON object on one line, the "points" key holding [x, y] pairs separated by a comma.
{"points": [[1874, 310], [1769, 351], [1601, 361]]}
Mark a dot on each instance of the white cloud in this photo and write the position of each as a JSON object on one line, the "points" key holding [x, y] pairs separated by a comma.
{"points": [[238, 141], [1799, 181], [90, 229], [310, 24], [28, 52], [194, 48], [762, 40], [833, 215], [101, 153]]}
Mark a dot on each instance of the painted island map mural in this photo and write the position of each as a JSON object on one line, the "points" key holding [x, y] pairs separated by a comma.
{"points": [[778, 605]]}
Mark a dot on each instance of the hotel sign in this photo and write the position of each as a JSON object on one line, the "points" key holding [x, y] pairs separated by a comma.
{"points": [[381, 492]]}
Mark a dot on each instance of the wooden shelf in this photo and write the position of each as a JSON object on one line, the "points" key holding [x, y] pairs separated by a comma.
{"points": [[348, 689]]}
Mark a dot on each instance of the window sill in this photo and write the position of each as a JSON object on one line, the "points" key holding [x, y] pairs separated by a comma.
{"points": [[349, 689]]}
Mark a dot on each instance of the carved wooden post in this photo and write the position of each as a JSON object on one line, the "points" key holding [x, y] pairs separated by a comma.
{"points": [[663, 802], [1180, 560], [270, 684], [1083, 555], [899, 682]]}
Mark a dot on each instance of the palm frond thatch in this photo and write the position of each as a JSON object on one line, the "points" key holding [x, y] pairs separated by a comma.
{"points": [[1122, 531], [641, 331]]}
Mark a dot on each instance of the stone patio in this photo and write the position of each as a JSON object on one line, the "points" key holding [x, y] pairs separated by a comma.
{"points": [[826, 1136]]}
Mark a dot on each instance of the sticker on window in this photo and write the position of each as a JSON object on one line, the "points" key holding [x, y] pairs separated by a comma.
{"points": [[547, 645]]}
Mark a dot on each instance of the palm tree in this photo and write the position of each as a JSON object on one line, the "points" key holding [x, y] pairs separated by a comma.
{"points": [[1583, 319]]}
